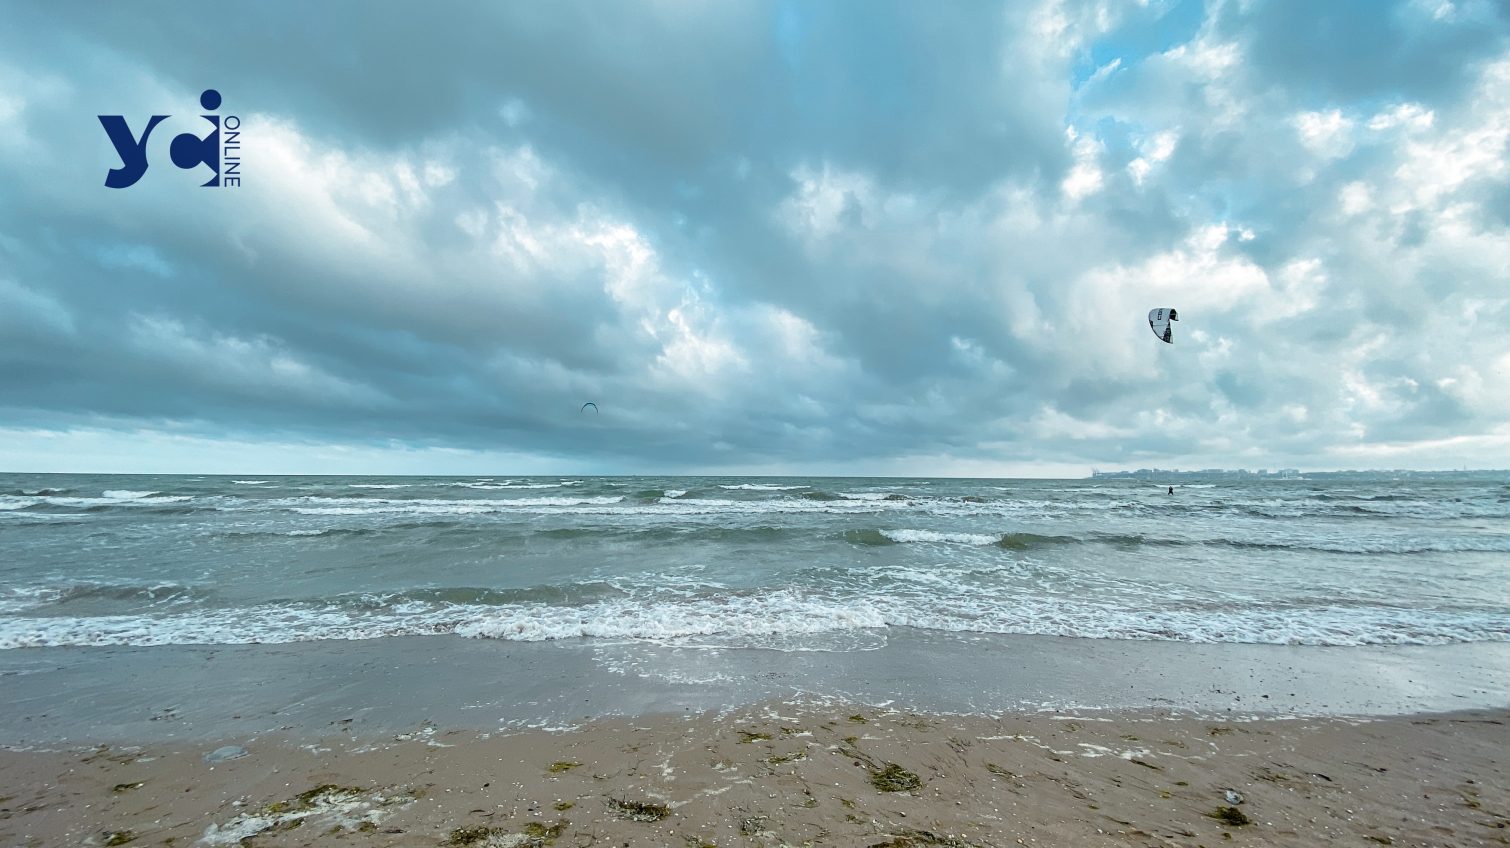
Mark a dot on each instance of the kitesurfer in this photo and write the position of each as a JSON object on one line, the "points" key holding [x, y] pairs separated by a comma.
{"points": [[1171, 490]]}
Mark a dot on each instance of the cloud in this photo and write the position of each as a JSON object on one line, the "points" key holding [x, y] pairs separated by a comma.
{"points": [[841, 237]]}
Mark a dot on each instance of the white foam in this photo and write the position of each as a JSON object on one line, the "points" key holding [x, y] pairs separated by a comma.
{"points": [[610, 505], [19, 598], [761, 487], [250, 482], [784, 612], [734, 618], [514, 485], [941, 538], [116, 498], [348, 810], [675, 493], [437, 506]]}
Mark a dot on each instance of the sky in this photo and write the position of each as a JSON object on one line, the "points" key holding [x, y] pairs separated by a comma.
{"points": [[855, 238]]}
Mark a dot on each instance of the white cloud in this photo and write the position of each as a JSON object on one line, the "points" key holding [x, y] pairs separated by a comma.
{"points": [[827, 200], [1408, 116], [1085, 178], [1328, 134], [1154, 149]]}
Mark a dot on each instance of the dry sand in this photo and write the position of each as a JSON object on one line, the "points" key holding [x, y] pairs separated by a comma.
{"points": [[781, 774]]}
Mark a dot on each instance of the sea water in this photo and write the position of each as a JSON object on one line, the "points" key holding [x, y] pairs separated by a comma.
{"points": [[789, 564]]}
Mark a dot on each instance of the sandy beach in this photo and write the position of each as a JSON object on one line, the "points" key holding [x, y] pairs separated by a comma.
{"points": [[726, 662], [783, 774]]}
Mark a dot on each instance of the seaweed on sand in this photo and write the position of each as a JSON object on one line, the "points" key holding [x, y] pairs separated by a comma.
{"points": [[639, 811], [1230, 816], [894, 778]]}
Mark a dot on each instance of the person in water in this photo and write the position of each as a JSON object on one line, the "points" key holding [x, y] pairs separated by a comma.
{"points": [[1171, 490]]}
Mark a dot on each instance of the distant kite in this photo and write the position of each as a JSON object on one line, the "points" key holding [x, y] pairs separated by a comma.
{"points": [[1158, 321], [591, 404]]}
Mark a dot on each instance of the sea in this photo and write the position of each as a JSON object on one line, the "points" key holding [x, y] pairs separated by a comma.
{"points": [[781, 563]]}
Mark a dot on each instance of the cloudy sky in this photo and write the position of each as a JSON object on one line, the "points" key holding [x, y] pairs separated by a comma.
{"points": [[786, 237]]}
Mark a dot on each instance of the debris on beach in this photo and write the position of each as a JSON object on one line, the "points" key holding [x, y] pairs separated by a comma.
{"points": [[922, 839], [640, 811], [342, 807], [1230, 815], [894, 778], [228, 752]]}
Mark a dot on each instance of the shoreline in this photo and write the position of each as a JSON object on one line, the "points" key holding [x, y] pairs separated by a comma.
{"points": [[779, 773], [65, 697]]}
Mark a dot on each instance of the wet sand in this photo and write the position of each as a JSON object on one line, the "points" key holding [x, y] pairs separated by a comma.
{"points": [[69, 697], [779, 774]]}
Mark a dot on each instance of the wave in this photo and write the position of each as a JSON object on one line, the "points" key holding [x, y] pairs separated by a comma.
{"points": [[129, 500], [1459, 544], [932, 536], [762, 487], [127, 494], [324, 533], [868, 537], [1032, 541], [250, 482], [1027, 541], [500, 486], [742, 535], [165, 507], [176, 505], [753, 617], [27, 598], [606, 505], [344, 506], [1010, 541]]}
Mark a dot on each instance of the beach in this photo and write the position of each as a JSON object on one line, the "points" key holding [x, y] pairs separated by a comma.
{"points": [[728, 661], [785, 774], [419, 741]]}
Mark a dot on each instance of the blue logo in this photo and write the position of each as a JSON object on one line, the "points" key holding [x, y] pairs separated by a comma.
{"points": [[220, 150]]}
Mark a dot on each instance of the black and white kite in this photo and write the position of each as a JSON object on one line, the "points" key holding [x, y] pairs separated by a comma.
{"points": [[1158, 320]]}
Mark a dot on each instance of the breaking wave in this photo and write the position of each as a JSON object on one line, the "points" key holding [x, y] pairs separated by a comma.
{"points": [[609, 614]]}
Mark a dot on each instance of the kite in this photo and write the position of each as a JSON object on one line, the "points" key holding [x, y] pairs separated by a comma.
{"points": [[1158, 321]]}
